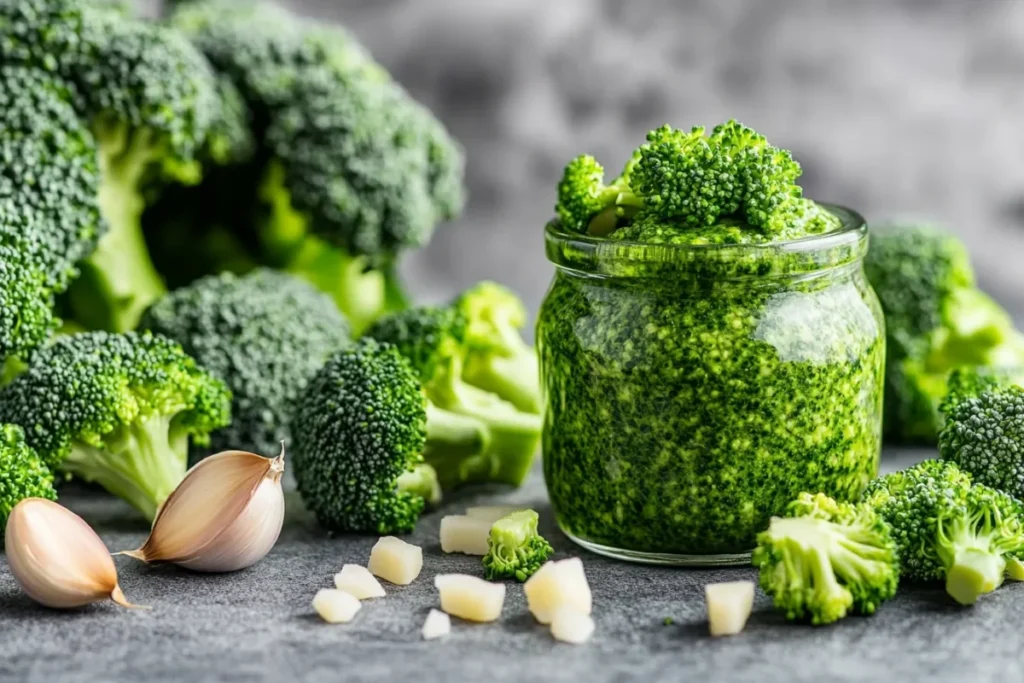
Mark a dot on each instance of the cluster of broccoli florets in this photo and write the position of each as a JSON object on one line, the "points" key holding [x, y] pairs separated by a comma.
{"points": [[679, 183], [431, 399], [270, 172]]}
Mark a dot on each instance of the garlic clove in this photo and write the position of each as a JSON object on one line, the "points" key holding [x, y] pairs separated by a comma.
{"points": [[57, 559], [225, 515]]}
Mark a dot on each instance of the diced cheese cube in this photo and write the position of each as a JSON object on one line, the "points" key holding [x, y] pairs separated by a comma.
{"points": [[470, 597], [335, 606], [492, 513], [359, 582], [558, 584], [437, 625], [570, 626], [464, 534], [729, 605], [396, 561]]}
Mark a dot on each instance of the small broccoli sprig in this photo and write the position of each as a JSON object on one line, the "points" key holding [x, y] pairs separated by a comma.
{"points": [[23, 474], [947, 528], [360, 431], [586, 204], [824, 559], [515, 549], [118, 410], [936, 320], [264, 334], [983, 431]]}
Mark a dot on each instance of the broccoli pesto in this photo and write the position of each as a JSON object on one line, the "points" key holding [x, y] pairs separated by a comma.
{"points": [[699, 373]]}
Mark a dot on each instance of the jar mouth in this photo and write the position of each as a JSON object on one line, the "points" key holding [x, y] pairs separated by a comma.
{"points": [[600, 256]]}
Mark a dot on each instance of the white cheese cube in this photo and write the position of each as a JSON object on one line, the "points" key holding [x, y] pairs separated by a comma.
{"points": [[359, 582], [470, 597], [335, 606], [558, 584], [396, 561], [570, 626], [729, 605], [464, 534], [437, 625]]}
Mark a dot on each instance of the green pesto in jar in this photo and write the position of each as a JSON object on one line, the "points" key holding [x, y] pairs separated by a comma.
{"points": [[696, 384]]}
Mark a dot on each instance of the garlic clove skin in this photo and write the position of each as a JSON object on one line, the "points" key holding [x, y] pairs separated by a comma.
{"points": [[57, 559], [225, 515]]}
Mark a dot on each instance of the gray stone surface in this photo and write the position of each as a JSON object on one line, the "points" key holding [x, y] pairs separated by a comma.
{"points": [[257, 625]]}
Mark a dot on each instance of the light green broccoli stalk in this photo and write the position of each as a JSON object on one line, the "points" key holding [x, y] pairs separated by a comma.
{"points": [[515, 549]]}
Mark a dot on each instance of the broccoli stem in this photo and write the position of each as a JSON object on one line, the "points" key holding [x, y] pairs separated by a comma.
{"points": [[119, 280], [142, 462], [1014, 569], [421, 481], [514, 378], [974, 573], [456, 448]]}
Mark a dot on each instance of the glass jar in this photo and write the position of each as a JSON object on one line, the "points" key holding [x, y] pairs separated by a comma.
{"points": [[691, 392]]}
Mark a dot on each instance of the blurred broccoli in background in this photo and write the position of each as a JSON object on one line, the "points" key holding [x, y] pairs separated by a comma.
{"points": [[344, 173], [936, 320]]}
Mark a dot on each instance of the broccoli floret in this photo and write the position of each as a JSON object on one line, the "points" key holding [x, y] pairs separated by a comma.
{"points": [[264, 334], [983, 430], [947, 528], [515, 549], [22, 473], [118, 410], [349, 171], [497, 357], [148, 97], [360, 431], [936, 320], [438, 341], [824, 559], [683, 182]]}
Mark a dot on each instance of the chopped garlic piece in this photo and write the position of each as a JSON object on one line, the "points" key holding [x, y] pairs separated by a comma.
{"points": [[492, 513], [437, 625], [359, 582], [570, 626], [335, 606], [469, 597], [464, 534], [396, 561], [558, 584], [729, 605]]}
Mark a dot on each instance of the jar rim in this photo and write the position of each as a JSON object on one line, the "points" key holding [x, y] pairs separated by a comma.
{"points": [[603, 257]]}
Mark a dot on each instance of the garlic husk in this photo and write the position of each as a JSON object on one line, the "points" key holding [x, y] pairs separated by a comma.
{"points": [[225, 515], [57, 559]]}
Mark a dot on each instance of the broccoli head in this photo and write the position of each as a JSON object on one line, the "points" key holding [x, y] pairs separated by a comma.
{"points": [[825, 559], [983, 430], [23, 474], [583, 197], [515, 549], [936, 320], [118, 410], [264, 334], [947, 528], [438, 341], [360, 431]]}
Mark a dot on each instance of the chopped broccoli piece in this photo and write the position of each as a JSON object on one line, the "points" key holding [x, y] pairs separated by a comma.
{"points": [[360, 431], [824, 559], [265, 335], [947, 528], [23, 474], [516, 550], [582, 195], [936, 320], [983, 431], [118, 410]]}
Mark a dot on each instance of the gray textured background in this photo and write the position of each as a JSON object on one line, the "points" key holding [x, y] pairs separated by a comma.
{"points": [[894, 107]]}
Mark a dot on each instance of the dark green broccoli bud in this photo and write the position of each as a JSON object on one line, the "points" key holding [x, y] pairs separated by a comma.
{"points": [[438, 341], [582, 196], [936, 320], [947, 528], [515, 549], [360, 431], [983, 432], [825, 559], [265, 335], [497, 358], [118, 410], [22, 473]]}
